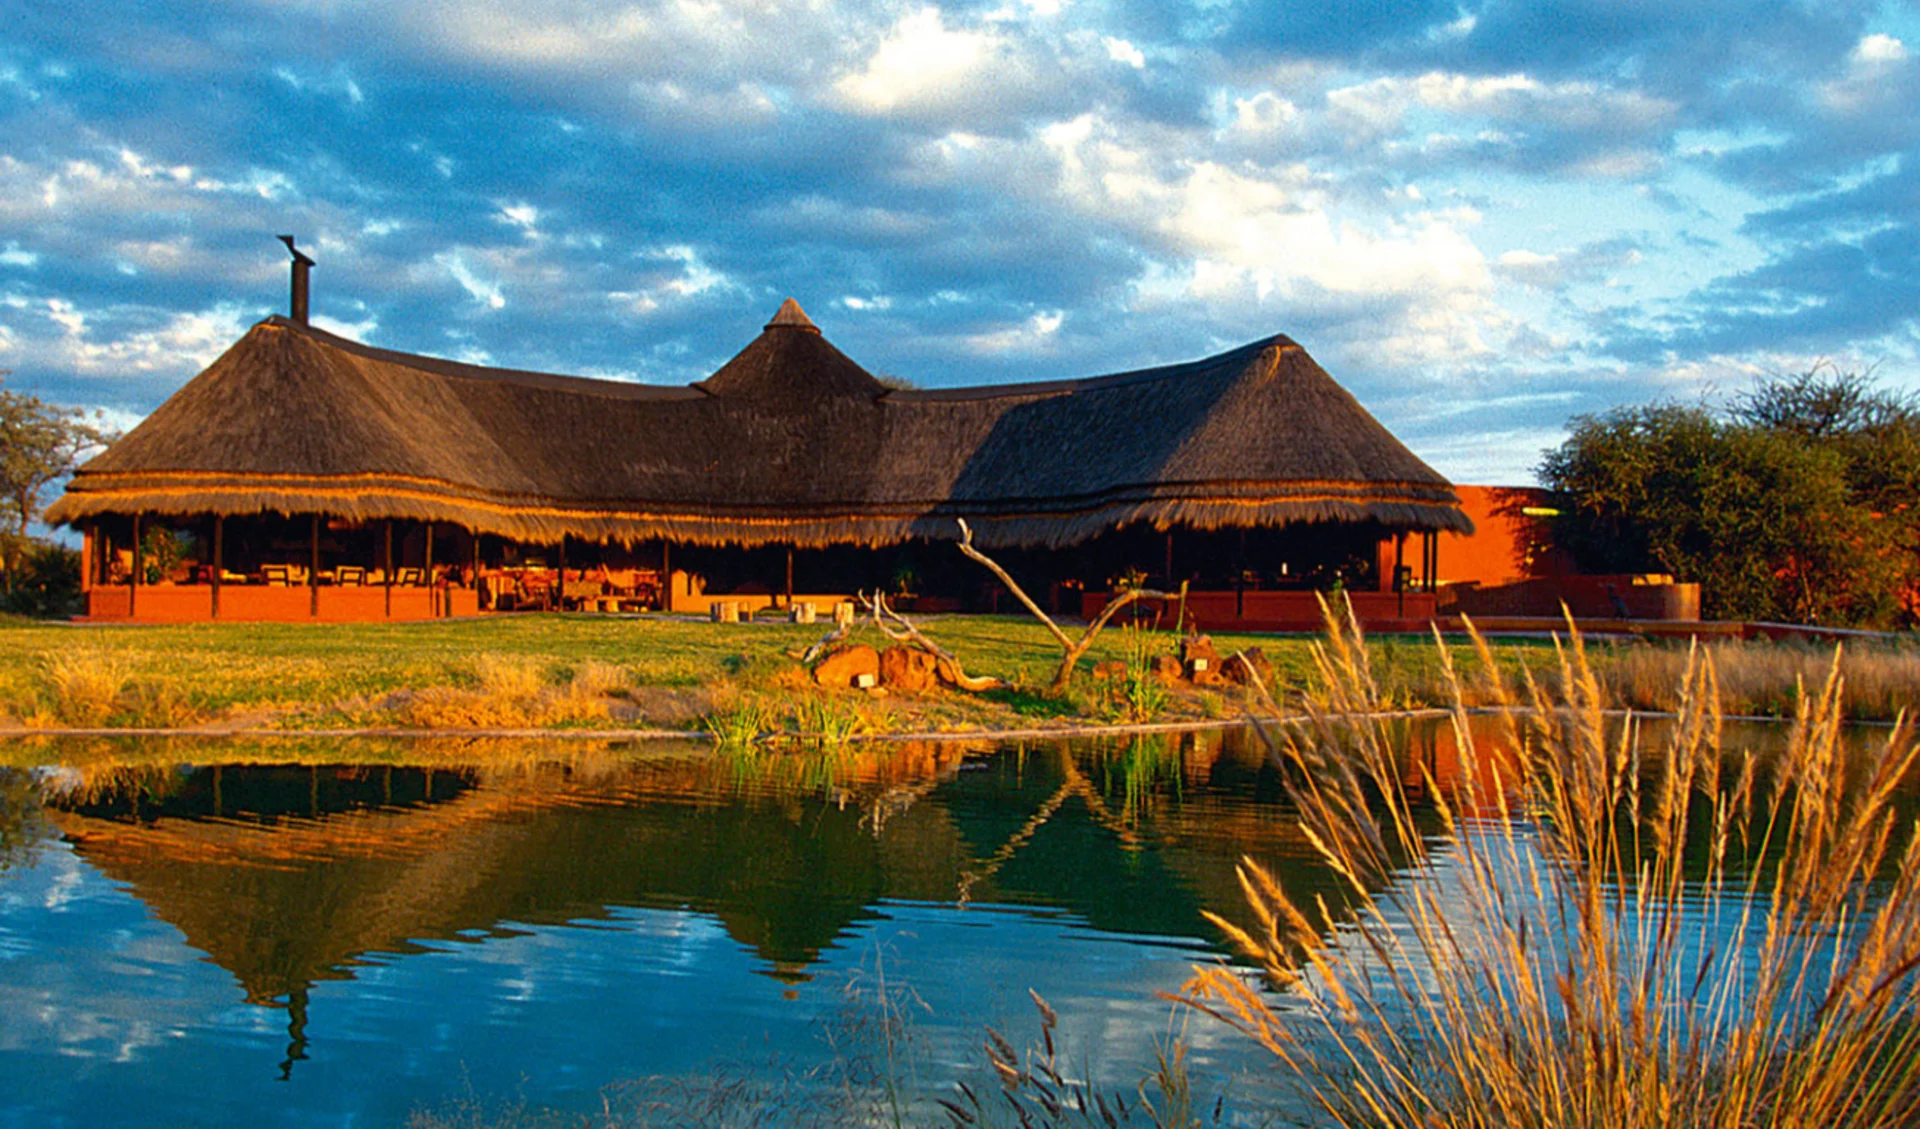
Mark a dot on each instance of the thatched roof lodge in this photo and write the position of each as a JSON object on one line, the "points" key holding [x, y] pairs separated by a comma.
{"points": [[791, 445]]}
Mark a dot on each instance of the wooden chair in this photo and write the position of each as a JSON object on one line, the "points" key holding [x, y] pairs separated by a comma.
{"points": [[350, 576], [410, 577], [537, 588], [278, 575]]}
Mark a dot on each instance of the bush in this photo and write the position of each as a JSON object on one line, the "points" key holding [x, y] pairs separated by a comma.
{"points": [[46, 584], [1799, 502]]}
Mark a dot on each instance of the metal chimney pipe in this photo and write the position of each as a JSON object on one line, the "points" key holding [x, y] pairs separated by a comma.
{"points": [[301, 265]]}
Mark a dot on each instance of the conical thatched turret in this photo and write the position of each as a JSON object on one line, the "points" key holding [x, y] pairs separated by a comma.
{"points": [[789, 442]]}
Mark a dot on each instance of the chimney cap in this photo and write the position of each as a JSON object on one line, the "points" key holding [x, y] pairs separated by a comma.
{"points": [[299, 256]]}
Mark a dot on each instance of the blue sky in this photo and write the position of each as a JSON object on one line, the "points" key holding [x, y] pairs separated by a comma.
{"points": [[1482, 218]]}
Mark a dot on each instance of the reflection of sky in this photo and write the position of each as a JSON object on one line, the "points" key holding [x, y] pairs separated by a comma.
{"points": [[108, 1017]]}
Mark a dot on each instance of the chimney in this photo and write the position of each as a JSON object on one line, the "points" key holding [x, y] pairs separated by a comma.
{"points": [[301, 265]]}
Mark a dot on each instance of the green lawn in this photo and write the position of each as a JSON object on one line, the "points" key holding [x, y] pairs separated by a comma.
{"points": [[605, 672]]}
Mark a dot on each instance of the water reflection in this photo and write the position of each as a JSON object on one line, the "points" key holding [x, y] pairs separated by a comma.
{"points": [[290, 875], [316, 873]]}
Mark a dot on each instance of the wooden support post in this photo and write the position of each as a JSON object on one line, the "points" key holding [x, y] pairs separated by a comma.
{"points": [[219, 558], [426, 570], [133, 590], [87, 550], [789, 577], [560, 587], [1167, 563], [1399, 558], [666, 575], [1240, 578], [386, 564], [313, 568]]}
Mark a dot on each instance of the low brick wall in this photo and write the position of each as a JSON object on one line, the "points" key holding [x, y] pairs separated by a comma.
{"points": [[255, 603], [1587, 597]]}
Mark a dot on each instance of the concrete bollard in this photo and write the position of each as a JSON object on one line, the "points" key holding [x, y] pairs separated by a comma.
{"points": [[844, 612], [802, 613], [725, 611]]}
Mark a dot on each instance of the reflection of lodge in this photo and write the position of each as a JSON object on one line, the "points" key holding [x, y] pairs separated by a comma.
{"points": [[289, 875], [306, 476]]}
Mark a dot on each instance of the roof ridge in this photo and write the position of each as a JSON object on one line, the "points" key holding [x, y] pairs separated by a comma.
{"points": [[444, 366]]}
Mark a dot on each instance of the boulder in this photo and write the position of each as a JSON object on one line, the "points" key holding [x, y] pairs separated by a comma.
{"points": [[1236, 670], [843, 666], [1165, 667], [1199, 659], [909, 670]]}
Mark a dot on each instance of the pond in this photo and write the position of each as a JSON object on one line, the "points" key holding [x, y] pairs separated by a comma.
{"points": [[356, 933]]}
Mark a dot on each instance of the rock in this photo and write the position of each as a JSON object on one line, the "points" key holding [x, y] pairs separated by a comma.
{"points": [[1200, 660], [1236, 671], [842, 666], [909, 670], [1112, 670], [1165, 667]]}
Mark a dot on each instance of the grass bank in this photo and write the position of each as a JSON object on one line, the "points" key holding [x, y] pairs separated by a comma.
{"points": [[562, 671]]}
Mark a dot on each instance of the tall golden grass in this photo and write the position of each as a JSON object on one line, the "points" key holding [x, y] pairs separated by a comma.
{"points": [[1761, 678], [82, 687], [1601, 934]]}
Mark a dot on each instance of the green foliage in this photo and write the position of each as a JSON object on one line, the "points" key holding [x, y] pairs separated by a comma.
{"points": [[161, 551], [45, 582], [1799, 502], [40, 443]]}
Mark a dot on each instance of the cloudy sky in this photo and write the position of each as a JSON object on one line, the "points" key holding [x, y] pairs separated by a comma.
{"points": [[1482, 217]]}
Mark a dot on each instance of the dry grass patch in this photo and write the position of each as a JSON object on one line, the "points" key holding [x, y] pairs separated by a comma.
{"points": [[82, 686], [1765, 679]]}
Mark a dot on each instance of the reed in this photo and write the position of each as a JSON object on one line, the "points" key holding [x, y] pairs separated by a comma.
{"points": [[820, 721], [1760, 678], [1600, 934], [738, 722]]}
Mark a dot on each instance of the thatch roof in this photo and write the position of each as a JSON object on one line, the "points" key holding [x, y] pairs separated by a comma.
{"points": [[789, 442]]}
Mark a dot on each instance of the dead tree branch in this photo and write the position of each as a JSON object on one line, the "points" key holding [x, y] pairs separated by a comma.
{"points": [[901, 630], [839, 634], [1072, 649]]}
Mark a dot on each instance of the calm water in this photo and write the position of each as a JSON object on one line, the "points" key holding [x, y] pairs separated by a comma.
{"points": [[192, 936], [336, 943]]}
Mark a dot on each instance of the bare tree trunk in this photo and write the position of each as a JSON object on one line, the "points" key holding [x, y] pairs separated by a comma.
{"points": [[1072, 649]]}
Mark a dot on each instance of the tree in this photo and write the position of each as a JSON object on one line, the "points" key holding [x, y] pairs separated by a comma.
{"points": [[40, 444], [1799, 501]]}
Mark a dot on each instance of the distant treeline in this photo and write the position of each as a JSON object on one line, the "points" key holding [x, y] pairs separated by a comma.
{"points": [[1798, 501]]}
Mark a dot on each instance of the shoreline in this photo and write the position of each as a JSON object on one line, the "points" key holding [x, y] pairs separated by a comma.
{"points": [[775, 739]]}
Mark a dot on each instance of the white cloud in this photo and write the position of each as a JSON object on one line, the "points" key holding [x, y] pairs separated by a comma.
{"points": [[1121, 51], [524, 216], [1874, 49], [484, 291], [1381, 108], [920, 62], [1038, 334], [181, 343]]}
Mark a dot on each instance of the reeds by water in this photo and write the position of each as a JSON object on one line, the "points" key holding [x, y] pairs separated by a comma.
{"points": [[1601, 934], [1760, 678]]}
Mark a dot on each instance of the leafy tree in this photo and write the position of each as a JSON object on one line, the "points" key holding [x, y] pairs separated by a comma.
{"points": [[1800, 501], [40, 444]]}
